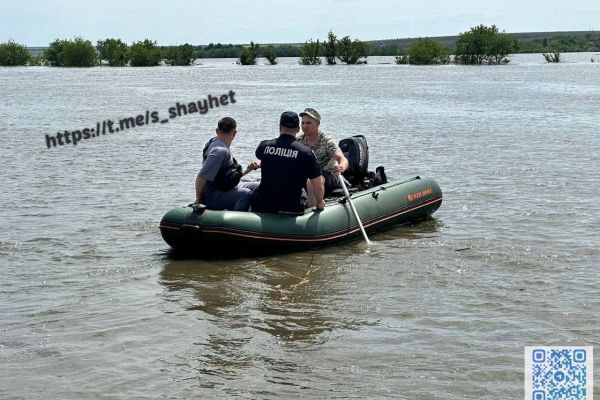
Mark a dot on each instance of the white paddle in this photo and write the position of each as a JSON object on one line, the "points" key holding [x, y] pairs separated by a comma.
{"points": [[362, 229]]}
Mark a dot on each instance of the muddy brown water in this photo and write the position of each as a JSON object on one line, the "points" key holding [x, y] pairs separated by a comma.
{"points": [[93, 305]]}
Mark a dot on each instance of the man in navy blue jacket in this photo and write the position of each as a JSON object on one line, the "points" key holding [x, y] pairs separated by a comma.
{"points": [[286, 164]]}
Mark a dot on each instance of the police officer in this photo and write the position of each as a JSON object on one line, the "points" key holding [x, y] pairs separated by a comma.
{"points": [[286, 164]]}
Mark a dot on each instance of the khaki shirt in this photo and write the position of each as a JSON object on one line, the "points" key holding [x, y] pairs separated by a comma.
{"points": [[324, 150]]}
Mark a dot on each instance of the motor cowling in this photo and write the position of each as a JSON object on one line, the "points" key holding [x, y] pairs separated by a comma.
{"points": [[356, 151]]}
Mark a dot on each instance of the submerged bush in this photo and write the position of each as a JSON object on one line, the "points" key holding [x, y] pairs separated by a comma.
{"points": [[484, 44], [349, 51], [71, 53], [401, 59], [178, 55], [553, 57], [248, 55], [270, 55], [330, 48], [13, 54], [144, 54], [310, 53], [114, 51], [427, 51]]}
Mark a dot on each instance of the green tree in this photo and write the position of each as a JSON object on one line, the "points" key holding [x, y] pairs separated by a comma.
{"points": [[270, 55], [501, 45], [12, 54], [80, 53], [330, 48], [471, 46], [54, 54], [310, 53], [144, 54], [349, 51], [114, 51], [484, 44], [71, 53], [179, 55], [427, 51], [186, 54], [248, 55]]}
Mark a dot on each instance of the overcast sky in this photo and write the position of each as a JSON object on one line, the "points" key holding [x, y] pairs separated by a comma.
{"points": [[39, 22]]}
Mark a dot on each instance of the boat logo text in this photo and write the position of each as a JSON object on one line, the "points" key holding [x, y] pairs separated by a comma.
{"points": [[418, 195]]}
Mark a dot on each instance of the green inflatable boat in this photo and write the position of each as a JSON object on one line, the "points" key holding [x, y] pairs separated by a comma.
{"points": [[225, 232]]}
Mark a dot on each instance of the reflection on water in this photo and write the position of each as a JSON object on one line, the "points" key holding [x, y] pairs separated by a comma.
{"points": [[289, 298], [288, 295], [296, 300]]}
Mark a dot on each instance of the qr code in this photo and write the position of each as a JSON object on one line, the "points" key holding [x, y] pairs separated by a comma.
{"points": [[559, 373]]}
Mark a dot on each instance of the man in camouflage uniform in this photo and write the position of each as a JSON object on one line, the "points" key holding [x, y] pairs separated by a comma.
{"points": [[328, 154]]}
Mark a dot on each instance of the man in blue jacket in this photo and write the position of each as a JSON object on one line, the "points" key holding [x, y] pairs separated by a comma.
{"points": [[286, 164]]}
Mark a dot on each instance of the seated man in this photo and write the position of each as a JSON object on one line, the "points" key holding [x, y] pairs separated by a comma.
{"points": [[286, 164], [217, 183], [328, 154]]}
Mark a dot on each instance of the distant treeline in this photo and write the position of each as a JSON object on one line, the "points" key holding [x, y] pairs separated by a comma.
{"points": [[565, 43], [530, 42], [79, 52]]}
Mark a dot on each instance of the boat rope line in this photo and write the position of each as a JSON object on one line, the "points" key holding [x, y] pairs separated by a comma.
{"points": [[322, 238]]}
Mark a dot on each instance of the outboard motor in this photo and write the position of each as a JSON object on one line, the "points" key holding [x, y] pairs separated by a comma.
{"points": [[356, 150]]}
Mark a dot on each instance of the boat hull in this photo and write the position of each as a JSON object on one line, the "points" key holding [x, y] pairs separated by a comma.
{"points": [[379, 208]]}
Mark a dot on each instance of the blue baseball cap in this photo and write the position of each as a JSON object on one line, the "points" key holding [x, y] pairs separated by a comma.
{"points": [[289, 119]]}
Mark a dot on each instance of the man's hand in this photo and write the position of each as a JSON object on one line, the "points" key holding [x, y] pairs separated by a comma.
{"points": [[342, 162], [254, 165]]}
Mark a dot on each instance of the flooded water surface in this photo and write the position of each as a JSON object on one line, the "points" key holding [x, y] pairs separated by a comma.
{"points": [[94, 305]]}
